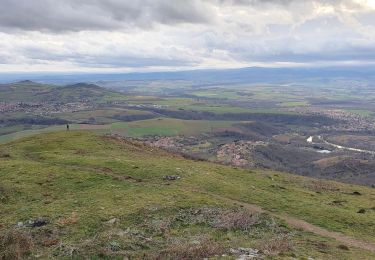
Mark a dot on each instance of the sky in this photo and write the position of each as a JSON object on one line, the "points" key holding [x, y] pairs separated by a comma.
{"points": [[163, 35]]}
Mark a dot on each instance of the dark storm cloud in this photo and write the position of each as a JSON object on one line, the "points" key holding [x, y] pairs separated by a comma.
{"points": [[77, 15]]}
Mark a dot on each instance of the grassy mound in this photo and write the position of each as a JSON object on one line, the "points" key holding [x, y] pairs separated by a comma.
{"points": [[76, 194]]}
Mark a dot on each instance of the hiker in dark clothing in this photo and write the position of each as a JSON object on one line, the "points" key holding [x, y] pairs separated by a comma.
{"points": [[67, 127]]}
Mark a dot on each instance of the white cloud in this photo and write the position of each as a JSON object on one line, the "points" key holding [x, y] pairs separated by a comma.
{"points": [[154, 35]]}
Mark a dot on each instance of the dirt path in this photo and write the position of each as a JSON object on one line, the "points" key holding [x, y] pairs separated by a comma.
{"points": [[302, 225], [349, 241]]}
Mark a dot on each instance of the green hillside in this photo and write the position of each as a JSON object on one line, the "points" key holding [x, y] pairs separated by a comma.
{"points": [[24, 91], [77, 194], [28, 91]]}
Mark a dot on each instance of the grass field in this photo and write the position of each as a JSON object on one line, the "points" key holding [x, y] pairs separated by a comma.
{"points": [[104, 197], [25, 133], [361, 112], [101, 116], [168, 127], [295, 104], [159, 126]]}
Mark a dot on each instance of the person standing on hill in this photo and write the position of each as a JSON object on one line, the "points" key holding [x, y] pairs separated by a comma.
{"points": [[67, 127]]}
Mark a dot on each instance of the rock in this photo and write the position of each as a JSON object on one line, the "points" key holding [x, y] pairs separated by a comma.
{"points": [[112, 221], [195, 242], [115, 246], [361, 211], [50, 242], [246, 253], [171, 177], [20, 224], [356, 193], [338, 202], [343, 247], [40, 223]]}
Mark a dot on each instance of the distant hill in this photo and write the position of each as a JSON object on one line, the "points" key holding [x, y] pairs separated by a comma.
{"points": [[80, 195], [80, 91], [24, 91], [29, 91]]}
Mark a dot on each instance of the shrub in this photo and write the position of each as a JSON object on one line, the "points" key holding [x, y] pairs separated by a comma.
{"points": [[15, 244], [277, 245], [321, 186], [4, 194], [4, 154], [236, 220], [186, 251]]}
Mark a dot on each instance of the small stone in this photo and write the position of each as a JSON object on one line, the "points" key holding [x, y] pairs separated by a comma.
{"points": [[343, 247], [39, 222], [361, 211], [20, 224], [115, 246], [171, 177], [246, 253], [112, 221]]}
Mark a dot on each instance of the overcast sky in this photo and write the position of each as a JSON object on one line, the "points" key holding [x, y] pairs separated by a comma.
{"points": [[153, 35]]}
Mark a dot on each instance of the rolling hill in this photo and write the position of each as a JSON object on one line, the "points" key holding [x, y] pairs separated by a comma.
{"points": [[77, 194], [29, 91]]}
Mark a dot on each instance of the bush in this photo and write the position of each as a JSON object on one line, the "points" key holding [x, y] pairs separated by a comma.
{"points": [[189, 251], [275, 246], [15, 244], [4, 154], [236, 220], [4, 194]]}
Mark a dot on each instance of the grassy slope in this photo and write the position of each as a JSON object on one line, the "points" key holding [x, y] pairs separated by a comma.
{"points": [[35, 92], [159, 126], [42, 129], [168, 127], [23, 92], [77, 175], [102, 116]]}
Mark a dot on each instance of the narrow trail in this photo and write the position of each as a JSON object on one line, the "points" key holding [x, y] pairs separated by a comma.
{"points": [[302, 225]]}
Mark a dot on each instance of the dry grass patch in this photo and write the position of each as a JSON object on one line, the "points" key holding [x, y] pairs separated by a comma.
{"points": [[15, 244], [187, 251], [280, 244], [73, 219], [4, 194], [236, 220], [320, 186]]}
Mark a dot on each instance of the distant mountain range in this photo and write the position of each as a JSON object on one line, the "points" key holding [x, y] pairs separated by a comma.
{"points": [[242, 75]]}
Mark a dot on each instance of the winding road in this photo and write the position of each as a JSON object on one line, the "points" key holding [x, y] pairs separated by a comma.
{"points": [[310, 140]]}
